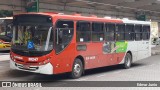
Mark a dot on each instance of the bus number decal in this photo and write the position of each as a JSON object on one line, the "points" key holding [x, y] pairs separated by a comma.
{"points": [[90, 57], [32, 59]]}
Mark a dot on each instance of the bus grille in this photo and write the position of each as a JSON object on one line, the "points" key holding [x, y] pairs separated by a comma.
{"points": [[31, 54], [30, 68]]}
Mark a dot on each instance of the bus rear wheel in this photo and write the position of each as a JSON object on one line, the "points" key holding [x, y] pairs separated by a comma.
{"points": [[127, 61], [77, 69]]}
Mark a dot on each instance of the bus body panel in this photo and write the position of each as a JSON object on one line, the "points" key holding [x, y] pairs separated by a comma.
{"points": [[95, 57]]}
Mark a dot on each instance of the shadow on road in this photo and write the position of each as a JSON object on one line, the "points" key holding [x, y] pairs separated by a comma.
{"points": [[17, 73], [109, 69], [61, 77], [29, 76]]}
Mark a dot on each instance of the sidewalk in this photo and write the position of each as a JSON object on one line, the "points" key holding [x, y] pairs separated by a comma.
{"points": [[4, 57], [155, 50]]}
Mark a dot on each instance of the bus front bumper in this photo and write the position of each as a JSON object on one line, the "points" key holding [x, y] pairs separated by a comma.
{"points": [[43, 69]]}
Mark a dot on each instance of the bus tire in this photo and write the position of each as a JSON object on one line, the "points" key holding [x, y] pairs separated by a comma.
{"points": [[77, 69], [127, 61]]}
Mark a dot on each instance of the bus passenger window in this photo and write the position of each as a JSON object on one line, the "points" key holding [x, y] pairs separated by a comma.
{"points": [[97, 32], [64, 34], [120, 28], [83, 31], [129, 32], [146, 32], [138, 32], [110, 32]]}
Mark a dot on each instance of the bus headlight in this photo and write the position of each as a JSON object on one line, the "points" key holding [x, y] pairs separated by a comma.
{"points": [[45, 61], [11, 57]]}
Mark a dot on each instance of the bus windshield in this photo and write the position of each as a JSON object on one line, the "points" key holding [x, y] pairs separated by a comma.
{"points": [[32, 38]]}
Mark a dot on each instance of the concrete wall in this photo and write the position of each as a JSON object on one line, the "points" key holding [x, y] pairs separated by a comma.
{"points": [[18, 6], [45, 6], [83, 10]]}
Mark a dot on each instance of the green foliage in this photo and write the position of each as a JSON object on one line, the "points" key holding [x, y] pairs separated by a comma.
{"points": [[6, 13]]}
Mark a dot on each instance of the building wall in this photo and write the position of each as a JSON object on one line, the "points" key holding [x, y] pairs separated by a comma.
{"points": [[82, 10], [18, 6], [51, 7]]}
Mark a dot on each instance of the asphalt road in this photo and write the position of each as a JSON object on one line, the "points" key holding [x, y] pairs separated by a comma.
{"points": [[144, 70]]}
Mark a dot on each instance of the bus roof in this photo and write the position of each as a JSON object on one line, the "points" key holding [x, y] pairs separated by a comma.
{"points": [[136, 22], [90, 18]]}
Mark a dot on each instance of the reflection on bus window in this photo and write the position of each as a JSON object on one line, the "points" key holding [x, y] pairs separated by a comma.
{"points": [[6, 29], [64, 34], [83, 31], [97, 31], [38, 35]]}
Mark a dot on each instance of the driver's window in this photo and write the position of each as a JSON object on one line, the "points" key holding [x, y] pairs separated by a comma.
{"points": [[64, 34]]}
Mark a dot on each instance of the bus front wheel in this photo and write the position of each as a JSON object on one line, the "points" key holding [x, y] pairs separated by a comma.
{"points": [[127, 61], [77, 69]]}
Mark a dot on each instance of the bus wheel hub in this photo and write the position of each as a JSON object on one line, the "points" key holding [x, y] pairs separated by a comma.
{"points": [[77, 69]]}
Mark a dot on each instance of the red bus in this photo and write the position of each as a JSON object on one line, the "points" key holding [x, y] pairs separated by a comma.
{"points": [[53, 43]]}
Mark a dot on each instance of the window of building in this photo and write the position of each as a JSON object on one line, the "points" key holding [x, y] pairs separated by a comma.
{"points": [[110, 32], [138, 32], [83, 31], [129, 32], [120, 28], [146, 32], [97, 31]]}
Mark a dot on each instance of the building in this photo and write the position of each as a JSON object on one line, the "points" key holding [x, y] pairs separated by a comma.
{"points": [[132, 9]]}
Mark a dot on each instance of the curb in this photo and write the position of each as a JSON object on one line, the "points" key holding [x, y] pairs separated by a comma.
{"points": [[4, 57]]}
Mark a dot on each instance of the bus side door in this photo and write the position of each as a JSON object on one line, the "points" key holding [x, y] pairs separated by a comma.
{"points": [[64, 47]]}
